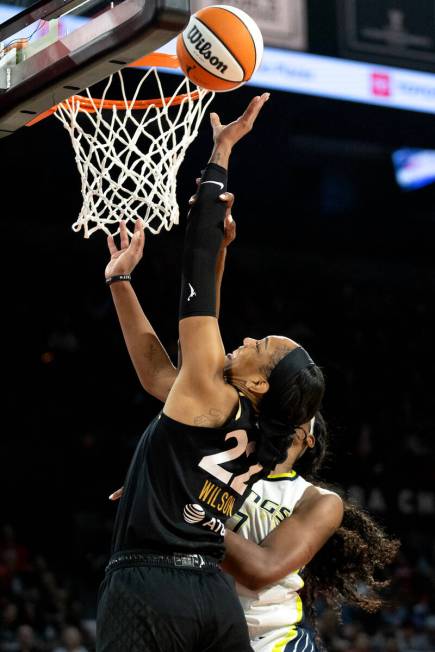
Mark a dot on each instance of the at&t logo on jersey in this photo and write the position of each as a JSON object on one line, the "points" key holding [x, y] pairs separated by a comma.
{"points": [[194, 514], [215, 525]]}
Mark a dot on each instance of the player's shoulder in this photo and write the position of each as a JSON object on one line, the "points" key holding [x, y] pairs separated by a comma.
{"points": [[238, 416], [323, 491], [321, 499]]}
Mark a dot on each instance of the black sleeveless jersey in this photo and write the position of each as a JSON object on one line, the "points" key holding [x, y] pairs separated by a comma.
{"points": [[184, 482]]}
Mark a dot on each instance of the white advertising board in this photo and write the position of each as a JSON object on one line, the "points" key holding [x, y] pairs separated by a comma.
{"points": [[347, 80]]}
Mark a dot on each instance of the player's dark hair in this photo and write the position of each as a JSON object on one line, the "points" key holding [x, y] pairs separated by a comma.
{"points": [[356, 554], [284, 407], [314, 459]]}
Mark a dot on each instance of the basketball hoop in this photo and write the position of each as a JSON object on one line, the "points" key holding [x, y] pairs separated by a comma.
{"points": [[129, 151]]}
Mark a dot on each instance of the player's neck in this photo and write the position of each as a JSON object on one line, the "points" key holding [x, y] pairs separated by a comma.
{"points": [[287, 465], [240, 385], [282, 468]]}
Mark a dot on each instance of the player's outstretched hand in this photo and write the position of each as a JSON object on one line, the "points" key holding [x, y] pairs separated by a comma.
{"points": [[125, 259], [229, 135]]}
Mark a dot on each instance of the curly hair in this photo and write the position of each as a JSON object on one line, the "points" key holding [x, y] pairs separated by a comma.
{"points": [[356, 554]]}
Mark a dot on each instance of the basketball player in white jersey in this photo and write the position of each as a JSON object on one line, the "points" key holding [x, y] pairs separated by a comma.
{"points": [[277, 559], [289, 516]]}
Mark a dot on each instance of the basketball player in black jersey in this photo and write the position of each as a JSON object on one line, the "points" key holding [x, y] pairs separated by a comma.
{"points": [[227, 421]]}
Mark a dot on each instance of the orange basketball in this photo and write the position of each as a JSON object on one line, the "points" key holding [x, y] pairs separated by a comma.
{"points": [[220, 49]]}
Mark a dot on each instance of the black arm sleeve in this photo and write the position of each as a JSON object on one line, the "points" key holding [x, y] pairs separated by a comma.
{"points": [[203, 239]]}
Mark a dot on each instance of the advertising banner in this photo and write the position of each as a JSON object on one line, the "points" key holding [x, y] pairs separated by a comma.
{"points": [[347, 80]]}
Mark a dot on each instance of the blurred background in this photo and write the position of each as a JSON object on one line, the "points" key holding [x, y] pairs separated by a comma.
{"points": [[335, 210]]}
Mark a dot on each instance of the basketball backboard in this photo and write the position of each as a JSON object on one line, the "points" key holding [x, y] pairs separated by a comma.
{"points": [[52, 49]]}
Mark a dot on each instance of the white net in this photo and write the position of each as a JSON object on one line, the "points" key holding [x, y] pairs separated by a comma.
{"points": [[128, 157]]}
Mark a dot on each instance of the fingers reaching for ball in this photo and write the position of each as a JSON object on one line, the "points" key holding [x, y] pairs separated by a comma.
{"points": [[227, 136]]}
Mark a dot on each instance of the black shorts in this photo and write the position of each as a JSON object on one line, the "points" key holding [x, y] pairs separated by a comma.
{"points": [[167, 608]]}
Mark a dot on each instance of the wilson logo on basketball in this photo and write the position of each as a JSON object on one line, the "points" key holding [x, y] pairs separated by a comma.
{"points": [[220, 48], [204, 47]]}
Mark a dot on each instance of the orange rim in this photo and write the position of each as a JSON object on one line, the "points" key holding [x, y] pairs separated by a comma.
{"points": [[156, 60], [90, 105]]}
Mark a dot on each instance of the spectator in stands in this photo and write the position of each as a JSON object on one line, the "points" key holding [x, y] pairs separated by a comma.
{"points": [[72, 641], [8, 627], [26, 640]]}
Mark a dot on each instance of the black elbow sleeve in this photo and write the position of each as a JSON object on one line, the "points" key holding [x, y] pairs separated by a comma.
{"points": [[203, 239]]}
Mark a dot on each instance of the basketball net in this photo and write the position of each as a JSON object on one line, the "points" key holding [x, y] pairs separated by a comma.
{"points": [[128, 152]]}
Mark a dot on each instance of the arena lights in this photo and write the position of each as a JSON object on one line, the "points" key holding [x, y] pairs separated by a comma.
{"points": [[414, 168]]}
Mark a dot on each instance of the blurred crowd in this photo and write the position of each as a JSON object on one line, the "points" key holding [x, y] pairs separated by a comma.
{"points": [[40, 609], [45, 610]]}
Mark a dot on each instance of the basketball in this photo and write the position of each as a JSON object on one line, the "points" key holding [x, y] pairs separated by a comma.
{"points": [[220, 49]]}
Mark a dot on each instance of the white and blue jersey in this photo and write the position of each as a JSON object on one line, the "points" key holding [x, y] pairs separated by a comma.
{"points": [[274, 614]]}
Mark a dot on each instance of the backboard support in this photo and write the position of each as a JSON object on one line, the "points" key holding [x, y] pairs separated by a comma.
{"points": [[37, 73]]}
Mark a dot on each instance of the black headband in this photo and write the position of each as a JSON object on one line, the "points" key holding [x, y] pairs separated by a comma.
{"points": [[290, 365]]}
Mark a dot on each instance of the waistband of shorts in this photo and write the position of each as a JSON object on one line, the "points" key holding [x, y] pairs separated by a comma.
{"points": [[128, 558]]}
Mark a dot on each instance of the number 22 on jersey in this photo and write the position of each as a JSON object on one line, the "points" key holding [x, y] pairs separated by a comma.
{"points": [[212, 463]]}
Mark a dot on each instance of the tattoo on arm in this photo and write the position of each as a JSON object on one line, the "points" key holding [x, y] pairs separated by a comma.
{"points": [[216, 157], [209, 419], [220, 155]]}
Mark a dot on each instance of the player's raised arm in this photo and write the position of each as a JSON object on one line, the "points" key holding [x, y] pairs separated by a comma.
{"points": [[154, 377], [200, 385], [150, 359], [229, 236]]}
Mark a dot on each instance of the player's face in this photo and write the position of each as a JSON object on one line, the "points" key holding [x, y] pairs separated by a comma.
{"points": [[254, 356]]}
